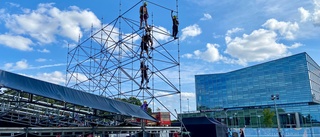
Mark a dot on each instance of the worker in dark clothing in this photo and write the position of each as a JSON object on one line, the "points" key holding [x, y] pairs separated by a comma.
{"points": [[175, 24], [143, 14], [241, 132], [144, 45], [149, 38], [144, 74]]}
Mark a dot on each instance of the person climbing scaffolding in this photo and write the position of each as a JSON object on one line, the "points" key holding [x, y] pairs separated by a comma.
{"points": [[144, 74], [175, 24], [149, 37], [143, 14], [146, 42]]}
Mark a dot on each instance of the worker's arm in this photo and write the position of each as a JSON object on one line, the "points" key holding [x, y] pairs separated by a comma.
{"points": [[171, 13]]}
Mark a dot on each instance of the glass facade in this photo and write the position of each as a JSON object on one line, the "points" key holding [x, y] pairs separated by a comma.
{"points": [[239, 97]]}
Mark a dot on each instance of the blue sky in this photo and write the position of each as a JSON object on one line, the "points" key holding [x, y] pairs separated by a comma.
{"points": [[215, 36]]}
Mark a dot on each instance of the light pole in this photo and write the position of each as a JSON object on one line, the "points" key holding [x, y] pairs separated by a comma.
{"points": [[274, 98], [235, 120], [231, 120], [289, 120], [188, 105], [304, 121], [259, 121], [259, 126], [226, 117]]}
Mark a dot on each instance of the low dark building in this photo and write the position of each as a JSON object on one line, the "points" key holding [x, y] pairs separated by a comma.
{"points": [[205, 127]]}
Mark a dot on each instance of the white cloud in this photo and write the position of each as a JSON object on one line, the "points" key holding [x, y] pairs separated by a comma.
{"points": [[211, 54], [188, 101], [41, 60], [16, 42], [76, 77], [66, 44], [8, 66], [258, 46], [316, 18], [230, 32], [130, 37], [307, 15], [295, 45], [160, 33], [286, 29], [316, 3], [48, 66], [44, 23], [14, 4], [172, 102], [206, 16], [188, 95], [44, 51], [22, 64], [304, 14], [234, 61], [188, 55], [129, 40], [234, 30], [55, 77], [190, 31], [109, 34]]}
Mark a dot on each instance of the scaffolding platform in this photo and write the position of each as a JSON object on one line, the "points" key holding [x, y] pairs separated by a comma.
{"points": [[76, 131]]}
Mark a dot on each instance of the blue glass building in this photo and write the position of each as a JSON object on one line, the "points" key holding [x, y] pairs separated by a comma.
{"points": [[239, 97]]}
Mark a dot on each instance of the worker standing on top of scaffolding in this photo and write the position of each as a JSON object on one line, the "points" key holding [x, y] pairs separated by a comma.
{"points": [[175, 24], [144, 74], [143, 14]]}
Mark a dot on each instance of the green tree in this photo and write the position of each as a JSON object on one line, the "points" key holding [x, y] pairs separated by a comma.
{"points": [[203, 108], [134, 101], [149, 110], [131, 100], [267, 117]]}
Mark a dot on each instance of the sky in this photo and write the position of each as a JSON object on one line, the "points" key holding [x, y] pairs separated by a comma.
{"points": [[214, 36]]}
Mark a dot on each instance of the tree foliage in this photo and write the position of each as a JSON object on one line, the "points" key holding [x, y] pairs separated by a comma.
{"points": [[267, 117], [134, 101]]}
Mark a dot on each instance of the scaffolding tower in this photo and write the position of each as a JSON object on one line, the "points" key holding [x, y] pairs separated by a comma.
{"points": [[108, 62]]}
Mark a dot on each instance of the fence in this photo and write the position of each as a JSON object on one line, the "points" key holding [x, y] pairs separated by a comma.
{"points": [[285, 132]]}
